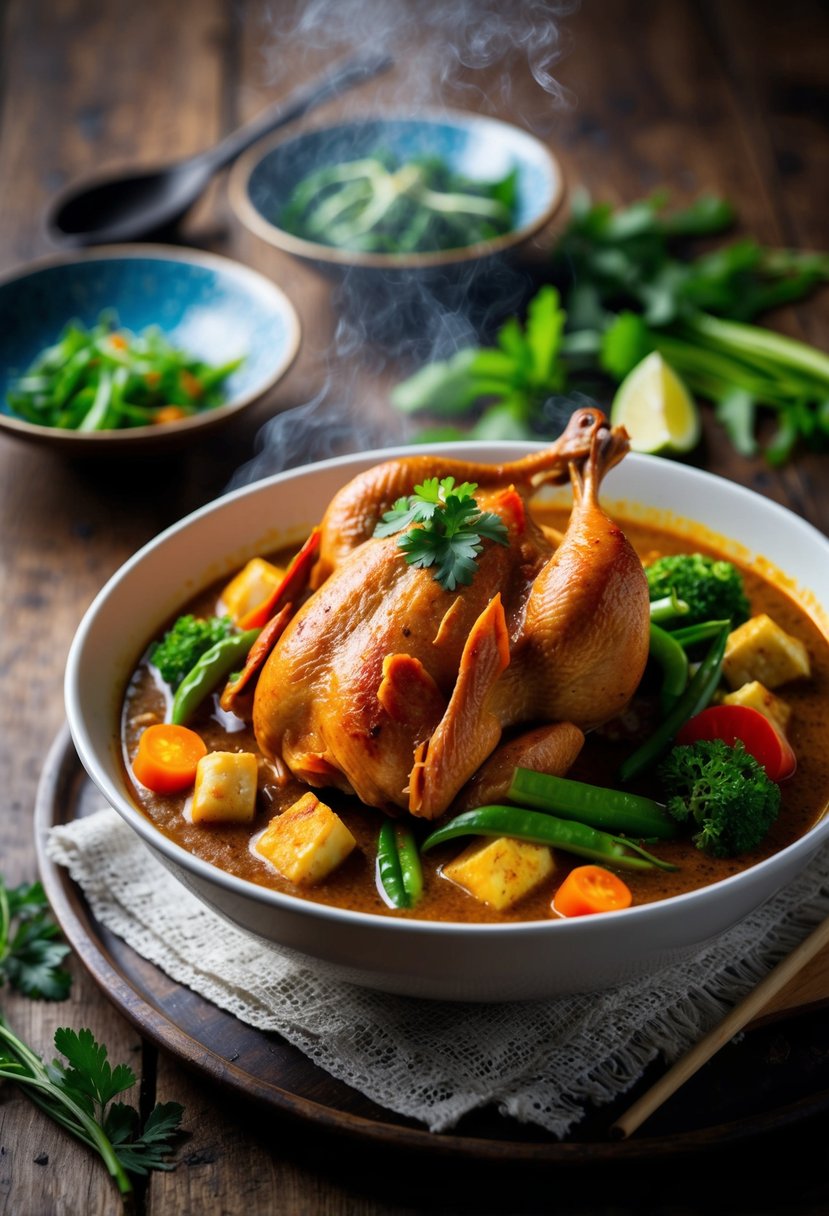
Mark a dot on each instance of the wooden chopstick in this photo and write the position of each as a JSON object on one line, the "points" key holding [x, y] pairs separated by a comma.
{"points": [[736, 1020]]}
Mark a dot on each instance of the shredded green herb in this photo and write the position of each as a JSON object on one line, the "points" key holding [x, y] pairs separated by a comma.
{"points": [[379, 205], [106, 378]]}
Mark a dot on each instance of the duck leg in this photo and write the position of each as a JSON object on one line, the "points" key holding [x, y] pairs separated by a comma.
{"points": [[356, 509], [583, 644]]}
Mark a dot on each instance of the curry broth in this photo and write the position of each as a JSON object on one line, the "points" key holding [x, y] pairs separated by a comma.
{"points": [[353, 885]]}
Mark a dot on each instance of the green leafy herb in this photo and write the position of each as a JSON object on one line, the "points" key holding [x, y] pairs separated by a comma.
{"points": [[379, 205], [78, 1095], [513, 378], [30, 954], [105, 378], [446, 529], [629, 283]]}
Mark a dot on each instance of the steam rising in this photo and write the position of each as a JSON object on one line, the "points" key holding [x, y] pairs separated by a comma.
{"points": [[470, 34], [388, 324]]}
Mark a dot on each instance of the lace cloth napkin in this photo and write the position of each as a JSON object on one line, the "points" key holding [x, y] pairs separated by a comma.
{"points": [[539, 1062]]}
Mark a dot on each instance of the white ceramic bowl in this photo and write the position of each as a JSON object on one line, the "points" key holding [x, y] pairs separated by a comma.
{"points": [[448, 961]]}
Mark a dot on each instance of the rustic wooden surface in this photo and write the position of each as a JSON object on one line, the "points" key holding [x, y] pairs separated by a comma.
{"points": [[693, 96]]}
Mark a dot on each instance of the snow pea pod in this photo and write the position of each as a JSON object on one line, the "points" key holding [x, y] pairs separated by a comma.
{"points": [[538, 828], [673, 661], [213, 666]]}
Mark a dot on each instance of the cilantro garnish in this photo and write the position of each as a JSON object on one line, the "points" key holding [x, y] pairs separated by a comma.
{"points": [[450, 533]]}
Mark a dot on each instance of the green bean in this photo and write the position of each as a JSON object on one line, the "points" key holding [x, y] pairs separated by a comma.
{"points": [[690, 635], [389, 870], [381, 205], [399, 872], [94, 418], [672, 659], [616, 810], [696, 697], [409, 856], [566, 834], [206, 673]]}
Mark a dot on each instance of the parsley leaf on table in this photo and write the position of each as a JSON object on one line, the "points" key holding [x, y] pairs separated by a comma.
{"points": [[451, 532], [77, 1094], [30, 955]]}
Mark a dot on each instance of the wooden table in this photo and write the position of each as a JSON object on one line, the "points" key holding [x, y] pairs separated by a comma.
{"points": [[693, 96]]}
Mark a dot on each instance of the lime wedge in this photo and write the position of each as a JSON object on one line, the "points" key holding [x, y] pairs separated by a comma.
{"points": [[656, 409]]}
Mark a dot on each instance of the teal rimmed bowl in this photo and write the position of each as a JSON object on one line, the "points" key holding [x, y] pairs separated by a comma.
{"points": [[480, 148], [211, 306]]}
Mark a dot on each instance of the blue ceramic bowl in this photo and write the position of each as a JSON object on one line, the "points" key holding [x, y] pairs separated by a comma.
{"points": [[481, 148], [209, 306]]}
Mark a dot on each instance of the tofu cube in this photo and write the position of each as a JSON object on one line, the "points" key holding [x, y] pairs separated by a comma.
{"points": [[502, 871], [760, 650], [306, 842], [225, 789], [250, 587], [756, 696]]}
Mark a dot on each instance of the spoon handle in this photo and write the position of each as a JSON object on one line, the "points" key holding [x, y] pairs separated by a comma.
{"points": [[345, 75]]}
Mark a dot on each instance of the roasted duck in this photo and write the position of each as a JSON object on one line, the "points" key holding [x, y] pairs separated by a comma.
{"points": [[386, 685]]}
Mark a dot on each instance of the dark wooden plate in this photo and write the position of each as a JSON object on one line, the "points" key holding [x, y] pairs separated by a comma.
{"points": [[742, 1093]]}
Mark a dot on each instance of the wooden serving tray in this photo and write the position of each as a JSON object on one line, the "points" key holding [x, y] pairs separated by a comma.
{"points": [[739, 1094]]}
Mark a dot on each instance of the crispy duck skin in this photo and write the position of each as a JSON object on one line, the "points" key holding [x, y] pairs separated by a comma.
{"points": [[390, 687]]}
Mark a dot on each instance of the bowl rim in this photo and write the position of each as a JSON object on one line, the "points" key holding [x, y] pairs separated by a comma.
{"points": [[205, 872], [216, 262], [252, 218]]}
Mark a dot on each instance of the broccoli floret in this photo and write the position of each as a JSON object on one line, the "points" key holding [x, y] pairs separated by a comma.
{"points": [[184, 643], [724, 792], [712, 588]]}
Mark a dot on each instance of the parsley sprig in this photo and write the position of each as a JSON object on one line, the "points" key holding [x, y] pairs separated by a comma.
{"points": [[30, 954], [78, 1093], [450, 533]]}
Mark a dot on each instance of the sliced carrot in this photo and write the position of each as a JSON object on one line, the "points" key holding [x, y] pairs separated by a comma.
{"points": [[118, 342], [588, 889], [170, 413], [167, 758], [755, 731], [192, 387]]}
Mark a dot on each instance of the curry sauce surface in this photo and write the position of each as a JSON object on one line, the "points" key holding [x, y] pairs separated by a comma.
{"points": [[805, 795]]}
